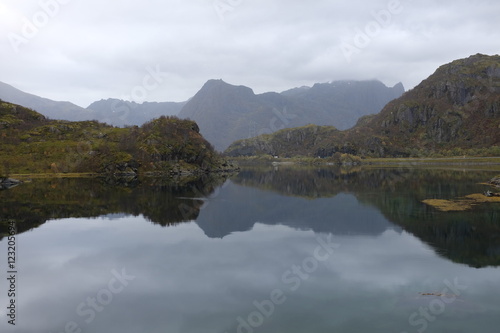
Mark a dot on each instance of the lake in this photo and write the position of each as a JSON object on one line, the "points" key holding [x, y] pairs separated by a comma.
{"points": [[271, 249]]}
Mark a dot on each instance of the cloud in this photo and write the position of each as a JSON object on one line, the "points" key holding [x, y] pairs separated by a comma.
{"points": [[88, 50]]}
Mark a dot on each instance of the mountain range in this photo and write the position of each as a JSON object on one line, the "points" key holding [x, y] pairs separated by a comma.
{"points": [[454, 111], [226, 113], [114, 112]]}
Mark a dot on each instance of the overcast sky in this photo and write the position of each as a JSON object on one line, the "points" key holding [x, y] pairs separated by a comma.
{"points": [[86, 50]]}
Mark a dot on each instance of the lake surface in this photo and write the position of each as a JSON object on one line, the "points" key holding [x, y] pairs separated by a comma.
{"points": [[277, 249]]}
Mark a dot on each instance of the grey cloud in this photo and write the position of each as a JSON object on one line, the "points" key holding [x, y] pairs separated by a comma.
{"points": [[91, 50]]}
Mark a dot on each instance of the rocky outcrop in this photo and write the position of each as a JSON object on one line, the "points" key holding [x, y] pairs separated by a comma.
{"points": [[495, 181], [123, 169]]}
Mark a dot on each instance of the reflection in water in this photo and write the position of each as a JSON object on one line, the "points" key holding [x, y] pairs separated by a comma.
{"points": [[163, 202], [471, 237], [186, 282], [264, 266], [304, 198]]}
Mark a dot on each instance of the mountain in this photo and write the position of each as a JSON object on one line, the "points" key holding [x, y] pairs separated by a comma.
{"points": [[49, 108], [120, 113], [31, 143], [111, 111], [226, 113], [455, 111]]}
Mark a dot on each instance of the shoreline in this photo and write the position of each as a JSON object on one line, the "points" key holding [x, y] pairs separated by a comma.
{"points": [[389, 161]]}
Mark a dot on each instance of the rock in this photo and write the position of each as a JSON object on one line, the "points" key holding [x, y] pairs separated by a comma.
{"points": [[495, 181], [491, 194], [6, 183]]}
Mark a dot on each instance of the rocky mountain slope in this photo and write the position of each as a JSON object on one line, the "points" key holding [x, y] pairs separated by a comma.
{"points": [[226, 113], [454, 111]]}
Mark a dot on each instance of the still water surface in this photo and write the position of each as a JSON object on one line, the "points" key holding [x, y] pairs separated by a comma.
{"points": [[269, 250]]}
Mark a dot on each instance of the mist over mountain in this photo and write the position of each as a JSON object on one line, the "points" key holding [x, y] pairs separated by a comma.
{"points": [[226, 113]]}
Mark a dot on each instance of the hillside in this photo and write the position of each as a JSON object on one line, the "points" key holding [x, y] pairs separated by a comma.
{"points": [[455, 111], [30, 143], [226, 113]]}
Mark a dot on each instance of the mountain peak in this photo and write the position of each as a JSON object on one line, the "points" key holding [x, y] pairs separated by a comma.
{"points": [[214, 83], [220, 86], [399, 86]]}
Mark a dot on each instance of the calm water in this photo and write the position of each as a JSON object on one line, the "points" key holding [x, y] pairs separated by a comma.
{"points": [[269, 250]]}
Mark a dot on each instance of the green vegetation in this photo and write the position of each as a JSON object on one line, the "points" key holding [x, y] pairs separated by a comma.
{"points": [[33, 144]]}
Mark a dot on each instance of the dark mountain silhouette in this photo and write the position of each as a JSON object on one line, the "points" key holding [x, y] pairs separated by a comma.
{"points": [[226, 113]]}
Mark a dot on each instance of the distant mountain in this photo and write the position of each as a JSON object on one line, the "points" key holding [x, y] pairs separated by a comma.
{"points": [[111, 111], [454, 111], [226, 113], [49, 108], [119, 113]]}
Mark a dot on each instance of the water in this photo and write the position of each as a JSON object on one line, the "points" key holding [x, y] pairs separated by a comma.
{"points": [[270, 250]]}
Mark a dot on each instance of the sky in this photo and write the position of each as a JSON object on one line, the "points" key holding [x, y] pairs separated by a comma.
{"points": [[165, 50]]}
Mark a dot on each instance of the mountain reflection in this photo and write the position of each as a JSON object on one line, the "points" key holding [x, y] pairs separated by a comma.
{"points": [[355, 202], [471, 237]]}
